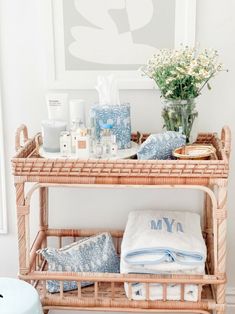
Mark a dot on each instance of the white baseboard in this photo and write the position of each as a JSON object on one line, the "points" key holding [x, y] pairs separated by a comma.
{"points": [[230, 296]]}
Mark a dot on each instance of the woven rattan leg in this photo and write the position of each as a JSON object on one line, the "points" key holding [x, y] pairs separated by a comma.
{"points": [[43, 201], [23, 228], [221, 217], [208, 229]]}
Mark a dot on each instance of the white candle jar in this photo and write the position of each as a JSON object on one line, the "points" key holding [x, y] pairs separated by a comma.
{"points": [[51, 130], [77, 111]]}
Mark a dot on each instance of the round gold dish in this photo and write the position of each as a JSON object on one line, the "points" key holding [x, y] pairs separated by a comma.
{"points": [[195, 152]]}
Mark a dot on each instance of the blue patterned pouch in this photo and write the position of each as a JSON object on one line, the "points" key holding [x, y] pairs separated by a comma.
{"points": [[119, 117], [160, 146], [94, 254]]}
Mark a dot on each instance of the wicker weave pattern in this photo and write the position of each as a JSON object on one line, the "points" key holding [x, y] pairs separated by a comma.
{"points": [[26, 163]]}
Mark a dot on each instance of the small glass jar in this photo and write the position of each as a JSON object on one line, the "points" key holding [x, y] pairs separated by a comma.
{"points": [[105, 138]]}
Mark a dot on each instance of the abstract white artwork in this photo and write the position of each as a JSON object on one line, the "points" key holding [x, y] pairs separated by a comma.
{"points": [[93, 36], [110, 34]]}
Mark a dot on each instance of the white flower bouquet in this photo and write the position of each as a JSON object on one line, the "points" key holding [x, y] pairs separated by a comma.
{"points": [[180, 76]]}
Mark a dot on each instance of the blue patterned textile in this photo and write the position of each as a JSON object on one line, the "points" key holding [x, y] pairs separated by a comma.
{"points": [[94, 254], [160, 146], [119, 117]]}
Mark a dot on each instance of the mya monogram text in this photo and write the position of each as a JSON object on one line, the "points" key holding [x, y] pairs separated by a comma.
{"points": [[170, 225]]}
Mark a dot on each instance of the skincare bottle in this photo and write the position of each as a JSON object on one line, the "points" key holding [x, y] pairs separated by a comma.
{"points": [[77, 126], [56, 123], [98, 149], [65, 144], [105, 139], [83, 144], [114, 146], [57, 106], [77, 110]]}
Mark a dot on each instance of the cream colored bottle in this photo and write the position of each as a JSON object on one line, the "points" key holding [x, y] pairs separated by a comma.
{"points": [[83, 144]]}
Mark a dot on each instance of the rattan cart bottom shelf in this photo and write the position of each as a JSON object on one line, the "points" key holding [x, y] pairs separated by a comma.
{"points": [[107, 293], [104, 300]]}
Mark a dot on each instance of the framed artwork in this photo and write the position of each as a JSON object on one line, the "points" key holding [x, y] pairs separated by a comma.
{"points": [[87, 38], [3, 211]]}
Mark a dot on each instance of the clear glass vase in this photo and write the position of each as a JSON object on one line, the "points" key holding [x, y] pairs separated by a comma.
{"points": [[179, 115]]}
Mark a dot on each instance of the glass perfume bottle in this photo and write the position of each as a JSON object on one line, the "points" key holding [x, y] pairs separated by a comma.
{"points": [[98, 149], [65, 144], [105, 139], [76, 126], [83, 144], [114, 146]]}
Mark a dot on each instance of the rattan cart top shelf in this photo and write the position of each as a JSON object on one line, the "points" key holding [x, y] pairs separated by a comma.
{"points": [[27, 165]]}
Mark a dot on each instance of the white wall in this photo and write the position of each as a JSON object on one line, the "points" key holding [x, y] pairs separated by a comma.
{"points": [[22, 72]]}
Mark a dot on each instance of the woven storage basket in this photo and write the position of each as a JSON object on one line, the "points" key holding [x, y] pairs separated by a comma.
{"points": [[195, 152]]}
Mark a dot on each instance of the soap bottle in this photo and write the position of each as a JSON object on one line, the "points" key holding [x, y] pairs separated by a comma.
{"points": [[105, 139], [77, 125], [98, 149], [83, 144], [114, 146], [65, 144]]}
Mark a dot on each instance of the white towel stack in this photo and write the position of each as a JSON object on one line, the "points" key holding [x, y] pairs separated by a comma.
{"points": [[163, 242]]}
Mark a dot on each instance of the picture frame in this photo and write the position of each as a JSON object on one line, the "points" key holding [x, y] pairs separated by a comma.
{"points": [[58, 77], [3, 203]]}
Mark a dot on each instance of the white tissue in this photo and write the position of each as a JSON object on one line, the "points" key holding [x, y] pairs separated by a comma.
{"points": [[107, 89]]}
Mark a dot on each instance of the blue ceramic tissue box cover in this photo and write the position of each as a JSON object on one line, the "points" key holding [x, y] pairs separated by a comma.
{"points": [[119, 117], [160, 146], [94, 254]]}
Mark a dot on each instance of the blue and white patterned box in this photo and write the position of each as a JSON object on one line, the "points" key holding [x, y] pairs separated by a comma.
{"points": [[119, 117]]}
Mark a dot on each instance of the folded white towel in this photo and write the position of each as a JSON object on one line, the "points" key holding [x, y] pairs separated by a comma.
{"points": [[163, 241], [164, 268]]}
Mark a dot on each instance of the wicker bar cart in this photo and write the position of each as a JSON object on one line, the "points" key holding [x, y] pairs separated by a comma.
{"points": [[107, 293]]}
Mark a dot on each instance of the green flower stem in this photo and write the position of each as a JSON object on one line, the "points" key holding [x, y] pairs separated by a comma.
{"points": [[178, 114]]}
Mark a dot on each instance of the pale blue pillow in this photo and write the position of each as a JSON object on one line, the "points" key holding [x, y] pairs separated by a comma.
{"points": [[94, 254], [160, 146]]}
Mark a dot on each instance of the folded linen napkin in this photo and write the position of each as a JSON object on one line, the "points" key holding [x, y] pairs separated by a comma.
{"points": [[163, 241]]}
